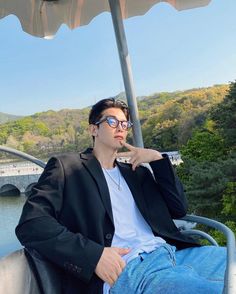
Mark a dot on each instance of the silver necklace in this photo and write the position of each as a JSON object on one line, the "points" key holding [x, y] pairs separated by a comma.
{"points": [[117, 184]]}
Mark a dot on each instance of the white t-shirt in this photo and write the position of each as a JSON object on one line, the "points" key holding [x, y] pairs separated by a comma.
{"points": [[131, 229]]}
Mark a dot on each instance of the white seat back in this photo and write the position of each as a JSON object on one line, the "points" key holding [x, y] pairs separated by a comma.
{"points": [[16, 276]]}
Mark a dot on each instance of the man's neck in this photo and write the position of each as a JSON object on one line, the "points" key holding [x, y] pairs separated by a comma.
{"points": [[105, 157]]}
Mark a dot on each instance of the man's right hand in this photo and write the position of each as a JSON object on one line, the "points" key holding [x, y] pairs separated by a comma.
{"points": [[110, 264]]}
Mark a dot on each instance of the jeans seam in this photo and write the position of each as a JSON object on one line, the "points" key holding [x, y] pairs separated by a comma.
{"points": [[188, 266], [171, 255]]}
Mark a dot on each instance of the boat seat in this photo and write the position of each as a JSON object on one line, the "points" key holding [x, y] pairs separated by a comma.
{"points": [[16, 276]]}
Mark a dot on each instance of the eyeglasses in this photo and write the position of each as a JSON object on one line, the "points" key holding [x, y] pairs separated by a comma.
{"points": [[113, 122]]}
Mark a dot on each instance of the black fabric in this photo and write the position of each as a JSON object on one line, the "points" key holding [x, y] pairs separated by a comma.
{"points": [[45, 272], [68, 218]]}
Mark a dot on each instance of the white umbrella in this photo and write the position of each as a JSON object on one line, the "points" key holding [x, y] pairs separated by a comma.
{"points": [[42, 18]]}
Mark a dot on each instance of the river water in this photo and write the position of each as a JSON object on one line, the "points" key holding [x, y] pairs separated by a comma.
{"points": [[10, 211]]}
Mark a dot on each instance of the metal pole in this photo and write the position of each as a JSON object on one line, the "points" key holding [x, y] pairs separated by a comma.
{"points": [[126, 70]]}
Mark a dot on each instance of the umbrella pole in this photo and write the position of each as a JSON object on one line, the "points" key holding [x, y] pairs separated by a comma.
{"points": [[126, 70]]}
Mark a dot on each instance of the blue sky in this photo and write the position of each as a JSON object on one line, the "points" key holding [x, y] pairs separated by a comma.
{"points": [[169, 51]]}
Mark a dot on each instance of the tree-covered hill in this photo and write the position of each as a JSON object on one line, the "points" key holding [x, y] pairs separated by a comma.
{"points": [[209, 163], [43, 134], [168, 120], [5, 117]]}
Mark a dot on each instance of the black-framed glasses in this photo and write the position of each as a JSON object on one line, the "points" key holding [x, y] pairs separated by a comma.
{"points": [[113, 122]]}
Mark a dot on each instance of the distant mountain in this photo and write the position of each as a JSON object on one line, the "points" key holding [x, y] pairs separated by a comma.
{"points": [[5, 117], [122, 96]]}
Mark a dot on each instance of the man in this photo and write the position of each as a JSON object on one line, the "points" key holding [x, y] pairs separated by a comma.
{"points": [[107, 226]]}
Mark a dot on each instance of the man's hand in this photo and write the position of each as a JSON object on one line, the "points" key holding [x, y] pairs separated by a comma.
{"points": [[139, 155], [110, 264]]}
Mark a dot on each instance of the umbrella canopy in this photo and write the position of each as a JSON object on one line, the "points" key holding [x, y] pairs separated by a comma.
{"points": [[42, 18]]}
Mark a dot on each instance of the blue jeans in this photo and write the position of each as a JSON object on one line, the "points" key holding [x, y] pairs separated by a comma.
{"points": [[198, 270]]}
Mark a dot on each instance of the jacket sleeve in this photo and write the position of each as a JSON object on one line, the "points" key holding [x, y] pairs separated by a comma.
{"points": [[39, 227], [170, 187]]}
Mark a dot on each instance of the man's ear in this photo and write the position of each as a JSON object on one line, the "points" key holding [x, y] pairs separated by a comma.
{"points": [[93, 129]]}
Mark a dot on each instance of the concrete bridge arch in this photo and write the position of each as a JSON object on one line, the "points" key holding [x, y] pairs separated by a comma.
{"points": [[17, 183], [9, 190], [20, 177]]}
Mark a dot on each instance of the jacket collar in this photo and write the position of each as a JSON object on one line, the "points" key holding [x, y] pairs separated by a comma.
{"points": [[87, 154]]}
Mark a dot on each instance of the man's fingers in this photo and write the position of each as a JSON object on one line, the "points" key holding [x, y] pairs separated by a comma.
{"points": [[135, 164], [120, 268], [124, 154], [111, 264], [112, 278], [134, 160], [122, 251], [128, 146], [122, 265]]}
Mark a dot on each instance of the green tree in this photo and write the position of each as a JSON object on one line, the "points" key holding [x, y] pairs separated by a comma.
{"points": [[204, 146], [229, 201], [224, 116], [209, 163], [229, 211]]}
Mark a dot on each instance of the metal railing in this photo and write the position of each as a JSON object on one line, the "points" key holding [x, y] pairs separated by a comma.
{"points": [[23, 155], [230, 273]]}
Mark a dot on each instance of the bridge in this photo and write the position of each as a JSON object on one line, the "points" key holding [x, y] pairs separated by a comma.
{"points": [[16, 178]]}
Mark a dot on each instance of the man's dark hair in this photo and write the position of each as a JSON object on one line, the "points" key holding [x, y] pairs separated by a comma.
{"points": [[96, 112]]}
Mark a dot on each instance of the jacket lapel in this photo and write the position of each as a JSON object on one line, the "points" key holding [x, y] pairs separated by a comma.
{"points": [[133, 182], [94, 168]]}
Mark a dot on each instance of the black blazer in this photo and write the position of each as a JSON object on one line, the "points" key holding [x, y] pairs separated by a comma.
{"points": [[68, 217]]}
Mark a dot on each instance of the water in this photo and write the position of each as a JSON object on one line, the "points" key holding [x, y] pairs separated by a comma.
{"points": [[10, 211]]}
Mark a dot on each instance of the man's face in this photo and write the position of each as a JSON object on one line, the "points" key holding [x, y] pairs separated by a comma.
{"points": [[107, 136]]}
